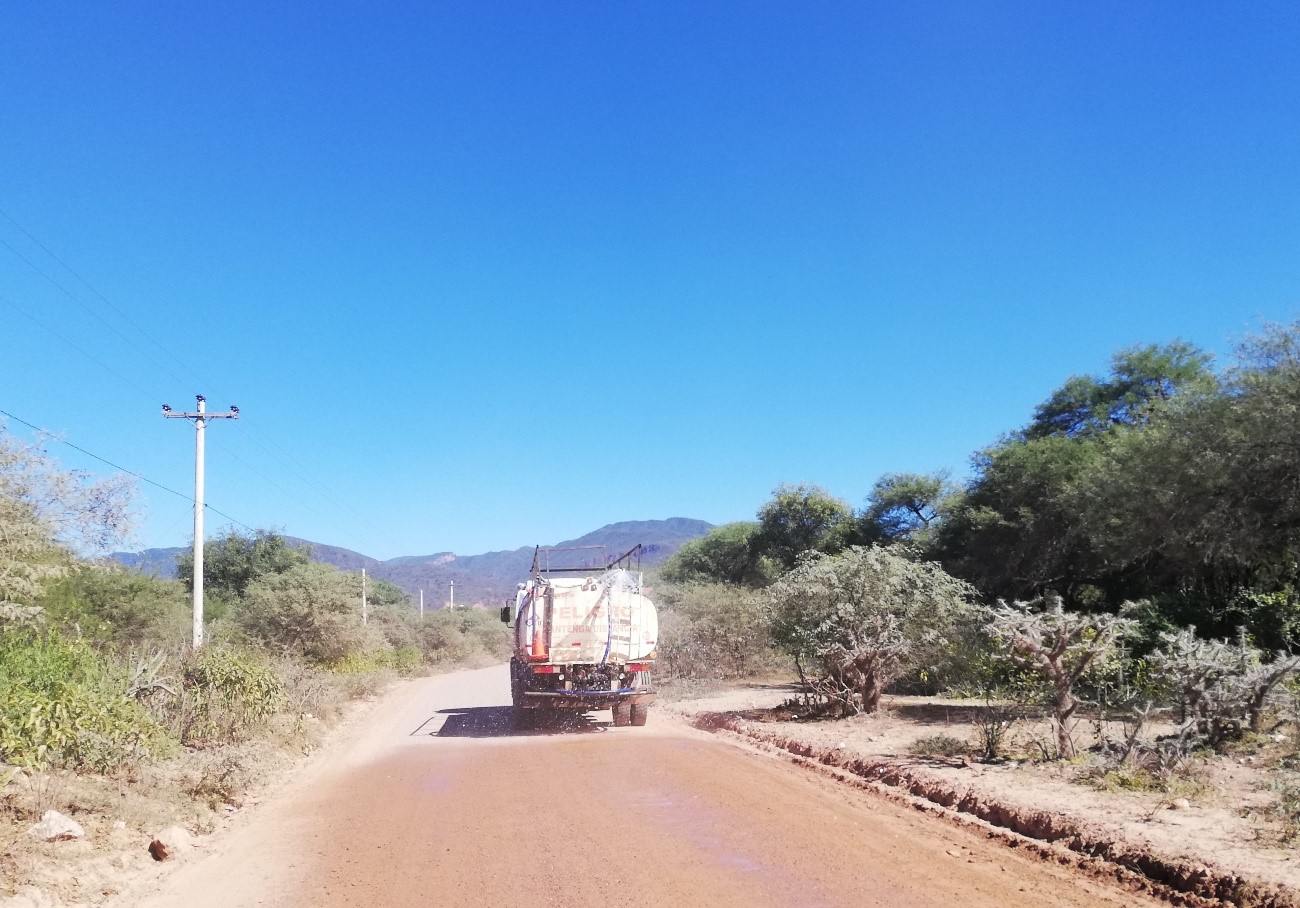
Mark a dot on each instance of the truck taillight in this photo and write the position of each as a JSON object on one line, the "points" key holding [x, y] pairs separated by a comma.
{"points": [[639, 666], [546, 669]]}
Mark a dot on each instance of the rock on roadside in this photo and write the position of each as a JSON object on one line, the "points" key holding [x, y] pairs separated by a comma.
{"points": [[55, 827], [172, 842]]}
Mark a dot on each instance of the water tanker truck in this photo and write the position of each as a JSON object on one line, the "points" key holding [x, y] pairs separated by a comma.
{"points": [[585, 639]]}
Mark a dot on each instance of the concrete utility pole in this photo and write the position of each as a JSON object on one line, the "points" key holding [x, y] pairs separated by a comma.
{"points": [[421, 603], [452, 603], [200, 418], [365, 609]]}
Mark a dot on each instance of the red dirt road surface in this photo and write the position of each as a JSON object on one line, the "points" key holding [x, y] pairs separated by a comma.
{"points": [[434, 800]]}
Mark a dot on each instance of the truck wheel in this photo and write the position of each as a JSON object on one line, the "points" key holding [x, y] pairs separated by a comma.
{"points": [[524, 719], [640, 712], [622, 715]]}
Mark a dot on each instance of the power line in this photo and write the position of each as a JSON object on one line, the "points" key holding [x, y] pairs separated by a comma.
{"points": [[298, 470], [109, 370], [13, 304], [66, 292], [265, 443], [92, 288], [140, 476]]}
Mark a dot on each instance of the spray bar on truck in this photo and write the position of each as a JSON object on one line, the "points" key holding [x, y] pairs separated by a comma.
{"points": [[542, 560]]}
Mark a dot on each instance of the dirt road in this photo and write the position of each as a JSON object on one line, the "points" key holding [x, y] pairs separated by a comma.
{"points": [[433, 800]]}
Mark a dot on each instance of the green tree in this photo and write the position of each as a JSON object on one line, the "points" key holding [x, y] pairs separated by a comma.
{"points": [[1140, 377], [234, 561], [907, 506], [863, 618], [1040, 513], [1199, 508], [727, 554], [1017, 532], [801, 518]]}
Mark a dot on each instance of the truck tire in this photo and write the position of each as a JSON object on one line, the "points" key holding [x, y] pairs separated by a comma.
{"points": [[622, 714], [640, 712]]}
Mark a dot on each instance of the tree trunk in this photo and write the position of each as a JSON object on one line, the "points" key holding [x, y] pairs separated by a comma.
{"points": [[871, 691], [1064, 707], [1258, 698]]}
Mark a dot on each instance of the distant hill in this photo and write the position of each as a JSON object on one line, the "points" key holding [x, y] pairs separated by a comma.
{"points": [[154, 562], [486, 578]]}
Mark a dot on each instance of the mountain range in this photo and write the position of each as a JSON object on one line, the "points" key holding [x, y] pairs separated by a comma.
{"points": [[480, 579]]}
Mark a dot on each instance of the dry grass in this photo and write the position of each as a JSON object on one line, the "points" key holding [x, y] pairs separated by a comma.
{"points": [[196, 788]]}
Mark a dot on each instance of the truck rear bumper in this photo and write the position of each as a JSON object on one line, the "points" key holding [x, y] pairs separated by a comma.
{"points": [[585, 699]]}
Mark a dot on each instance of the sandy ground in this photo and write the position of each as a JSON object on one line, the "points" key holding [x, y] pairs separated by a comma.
{"points": [[434, 800], [1216, 827]]}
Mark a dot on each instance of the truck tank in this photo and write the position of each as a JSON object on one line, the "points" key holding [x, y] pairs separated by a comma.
{"points": [[583, 643]]}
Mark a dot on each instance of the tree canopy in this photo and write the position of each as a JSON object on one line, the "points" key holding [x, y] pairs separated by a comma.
{"points": [[802, 518], [234, 561], [728, 553]]}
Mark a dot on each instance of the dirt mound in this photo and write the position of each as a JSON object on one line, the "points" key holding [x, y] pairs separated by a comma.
{"points": [[1182, 881]]}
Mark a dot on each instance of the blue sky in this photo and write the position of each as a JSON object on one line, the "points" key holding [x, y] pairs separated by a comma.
{"points": [[482, 275]]}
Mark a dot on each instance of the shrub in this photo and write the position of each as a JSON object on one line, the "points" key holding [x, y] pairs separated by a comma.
{"points": [[115, 605], [938, 746], [993, 721], [61, 704], [223, 777], [711, 630], [225, 696], [862, 619], [405, 661], [1285, 809], [462, 636], [1061, 647], [308, 689], [309, 609], [359, 685], [1223, 687]]}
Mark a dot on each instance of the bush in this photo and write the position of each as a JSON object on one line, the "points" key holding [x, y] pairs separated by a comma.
{"points": [[1285, 809], [61, 704], [449, 637], [308, 690], [714, 631], [993, 721], [309, 609], [405, 661], [226, 695], [223, 777], [1224, 688], [857, 621], [938, 746], [117, 606]]}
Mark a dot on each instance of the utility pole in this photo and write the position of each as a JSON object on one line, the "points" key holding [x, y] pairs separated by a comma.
{"points": [[365, 609], [452, 603], [421, 603], [200, 418]]}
